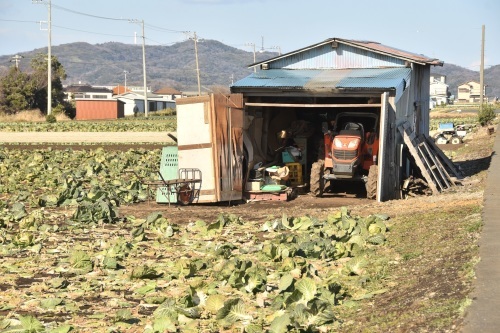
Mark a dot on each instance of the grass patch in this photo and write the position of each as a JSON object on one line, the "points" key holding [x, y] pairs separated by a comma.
{"points": [[30, 116], [432, 254]]}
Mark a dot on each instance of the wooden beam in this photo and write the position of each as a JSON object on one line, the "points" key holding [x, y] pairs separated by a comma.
{"points": [[195, 146], [443, 157], [418, 161], [281, 105]]}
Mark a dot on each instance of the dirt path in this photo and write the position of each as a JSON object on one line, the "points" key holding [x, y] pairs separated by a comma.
{"points": [[85, 137]]}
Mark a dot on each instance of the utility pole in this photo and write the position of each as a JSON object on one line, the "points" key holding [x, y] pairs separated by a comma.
{"points": [[254, 59], [276, 48], [144, 71], [49, 55], [197, 64], [17, 59], [143, 66], [125, 72], [481, 73]]}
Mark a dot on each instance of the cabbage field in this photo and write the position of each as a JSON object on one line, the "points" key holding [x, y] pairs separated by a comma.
{"points": [[85, 248], [71, 262], [151, 124]]}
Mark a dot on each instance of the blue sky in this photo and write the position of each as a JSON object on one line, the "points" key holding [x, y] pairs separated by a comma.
{"points": [[449, 30]]}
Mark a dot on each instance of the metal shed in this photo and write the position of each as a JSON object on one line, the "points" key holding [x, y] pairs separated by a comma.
{"points": [[92, 109], [335, 75], [227, 136]]}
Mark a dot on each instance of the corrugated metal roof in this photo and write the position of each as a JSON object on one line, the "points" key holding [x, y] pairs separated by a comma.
{"points": [[167, 91], [377, 47], [319, 79], [86, 88], [371, 46]]}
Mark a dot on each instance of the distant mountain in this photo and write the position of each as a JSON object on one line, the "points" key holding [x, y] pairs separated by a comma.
{"points": [[456, 75], [175, 66]]}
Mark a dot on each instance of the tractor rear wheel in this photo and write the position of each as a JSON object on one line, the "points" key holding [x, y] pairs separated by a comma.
{"points": [[371, 183], [317, 183]]}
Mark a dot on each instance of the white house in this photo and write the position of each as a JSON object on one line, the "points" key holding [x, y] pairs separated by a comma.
{"points": [[470, 92], [135, 98], [74, 91], [169, 93], [438, 91]]}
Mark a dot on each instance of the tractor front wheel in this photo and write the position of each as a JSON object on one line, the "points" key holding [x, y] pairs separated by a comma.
{"points": [[317, 182]]}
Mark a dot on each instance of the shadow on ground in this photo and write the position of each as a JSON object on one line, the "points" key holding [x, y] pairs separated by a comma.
{"points": [[473, 167]]}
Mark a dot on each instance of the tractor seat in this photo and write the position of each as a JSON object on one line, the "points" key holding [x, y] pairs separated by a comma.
{"points": [[353, 129], [352, 126]]}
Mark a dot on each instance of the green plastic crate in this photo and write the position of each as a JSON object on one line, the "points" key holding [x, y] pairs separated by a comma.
{"points": [[169, 167]]}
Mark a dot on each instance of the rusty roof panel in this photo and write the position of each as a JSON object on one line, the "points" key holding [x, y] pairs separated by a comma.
{"points": [[314, 79], [377, 47]]}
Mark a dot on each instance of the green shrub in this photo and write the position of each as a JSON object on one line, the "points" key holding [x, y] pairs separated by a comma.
{"points": [[486, 115], [51, 118], [58, 109]]}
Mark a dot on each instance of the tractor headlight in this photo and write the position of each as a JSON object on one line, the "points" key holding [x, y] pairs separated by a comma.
{"points": [[353, 144], [337, 143]]}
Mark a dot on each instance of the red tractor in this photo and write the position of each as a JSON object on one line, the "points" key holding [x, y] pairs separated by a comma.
{"points": [[350, 153]]}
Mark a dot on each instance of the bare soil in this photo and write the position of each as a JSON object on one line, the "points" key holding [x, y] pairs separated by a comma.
{"points": [[428, 278]]}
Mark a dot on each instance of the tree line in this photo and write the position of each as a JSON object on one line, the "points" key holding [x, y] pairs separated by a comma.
{"points": [[27, 90]]}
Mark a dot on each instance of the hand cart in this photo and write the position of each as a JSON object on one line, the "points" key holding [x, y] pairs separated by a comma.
{"points": [[187, 186]]}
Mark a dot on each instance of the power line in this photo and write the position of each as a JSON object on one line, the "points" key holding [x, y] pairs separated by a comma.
{"points": [[90, 15], [150, 26], [20, 21], [160, 43], [153, 27], [91, 32]]}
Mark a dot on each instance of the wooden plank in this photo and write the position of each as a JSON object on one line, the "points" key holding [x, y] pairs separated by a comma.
{"points": [[191, 100], [415, 154], [195, 146], [412, 136], [288, 105], [452, 181], [443, 157], [266, 196], [441, 169], [229, 143], [431, 167], [385, 190]]}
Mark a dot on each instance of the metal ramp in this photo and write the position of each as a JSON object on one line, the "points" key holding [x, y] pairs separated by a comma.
{"points": [[437, 169]]}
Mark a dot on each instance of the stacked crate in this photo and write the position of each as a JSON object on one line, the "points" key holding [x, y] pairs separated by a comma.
{"points": [[295, 173]]}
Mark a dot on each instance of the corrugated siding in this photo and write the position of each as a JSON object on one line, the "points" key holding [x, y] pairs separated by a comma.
{"points": [[342, 57], [98, 109]]}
